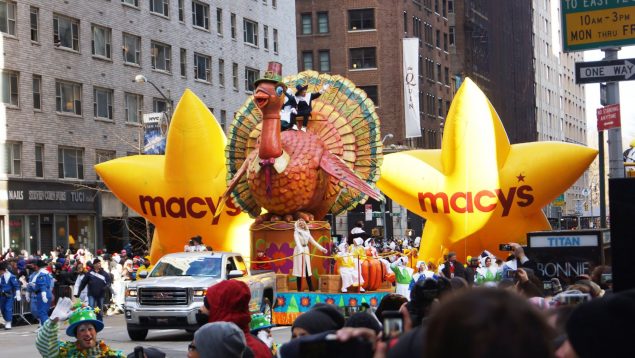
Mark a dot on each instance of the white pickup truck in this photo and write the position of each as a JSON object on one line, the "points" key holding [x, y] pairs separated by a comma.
{"points": [[173, 292]]}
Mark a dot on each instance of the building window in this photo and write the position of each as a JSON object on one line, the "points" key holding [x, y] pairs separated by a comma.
{"points": [[161, 7], [101, 41], [159, 105], [66, 32], [221, 72], [446, 76], [440, 108], [275, 40], [444, 8], [68, 97], [405, 22], [7, 17], [428, 34], [202, 68], [251, 75], [37, 92], [445, 42], [363, 57], [451, 35], [323, 22], [362, 19], [371, 92], [438, 38], [134, 3], [131, 49], [307, 60], [219, 20], [235, 75], [439, 73], [35, 23], [250, 31], [181, 6], [160, 56], [183, 62], [13, 158], [133, 104], [200, 15], [102, 103], [39, 160], [265, 37], [325, 61], [451, 6], [223, 119], [232, 20], [10, 91], [274, 3], [306, 21], [70, 163]]}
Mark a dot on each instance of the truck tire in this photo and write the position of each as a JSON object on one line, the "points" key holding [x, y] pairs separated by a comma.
{"points": [[137, 334]]}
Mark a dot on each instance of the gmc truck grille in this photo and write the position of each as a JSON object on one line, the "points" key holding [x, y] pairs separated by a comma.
{"points": [[163, 296]]}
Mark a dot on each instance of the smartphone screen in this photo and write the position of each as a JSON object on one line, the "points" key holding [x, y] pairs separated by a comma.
{"points": [[393, 324]]}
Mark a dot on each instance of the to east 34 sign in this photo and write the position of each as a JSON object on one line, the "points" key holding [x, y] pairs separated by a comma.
{"points": [[591, 24], [605, 71]]}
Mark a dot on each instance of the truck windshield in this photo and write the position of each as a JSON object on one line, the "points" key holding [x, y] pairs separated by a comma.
{"points": [[196, 266]]}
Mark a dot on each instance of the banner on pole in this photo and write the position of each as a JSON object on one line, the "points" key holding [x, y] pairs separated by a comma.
{"points": [[155, 128], [411, 87]]}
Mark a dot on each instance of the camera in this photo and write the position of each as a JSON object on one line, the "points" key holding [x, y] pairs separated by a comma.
{"points": [[572, 298], [505, 247], [393, 324], [547, 285], [606, 278], [510, 274]]}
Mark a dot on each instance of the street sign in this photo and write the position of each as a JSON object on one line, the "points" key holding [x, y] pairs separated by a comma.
{"points": [[605, 71], [368, 212], [593, 24], [609, 117]]}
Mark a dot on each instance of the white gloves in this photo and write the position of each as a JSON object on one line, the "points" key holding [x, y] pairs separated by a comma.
{"points": [[44, 299], [294, 111], [289, 92], [325, 88], [62, 309], [18, 297], [28, 297]]}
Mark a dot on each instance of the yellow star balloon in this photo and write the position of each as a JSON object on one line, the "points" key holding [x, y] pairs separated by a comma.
{"points": [[479, 191], [179, 192]]}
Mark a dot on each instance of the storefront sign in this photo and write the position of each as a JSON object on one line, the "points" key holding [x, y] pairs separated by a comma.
{"points": [[565, 254], [50, 196]]}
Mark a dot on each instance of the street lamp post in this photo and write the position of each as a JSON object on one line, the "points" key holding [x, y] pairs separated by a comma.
{"points": [[382, 204], [142, 79]]}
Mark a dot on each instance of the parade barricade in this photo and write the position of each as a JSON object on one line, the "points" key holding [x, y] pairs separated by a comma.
{"points": [[22, 308]]}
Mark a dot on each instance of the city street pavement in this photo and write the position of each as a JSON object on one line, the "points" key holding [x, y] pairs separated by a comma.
{"points": [[20, 341]]}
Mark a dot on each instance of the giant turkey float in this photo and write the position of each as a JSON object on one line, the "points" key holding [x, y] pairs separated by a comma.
{"points": [[330, 167]]}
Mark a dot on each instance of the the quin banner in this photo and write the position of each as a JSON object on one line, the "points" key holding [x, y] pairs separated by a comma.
{"points": [[155, 126], [411, 86]]}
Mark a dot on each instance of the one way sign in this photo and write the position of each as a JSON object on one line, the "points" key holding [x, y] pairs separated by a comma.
{"points": [[605, 71]]}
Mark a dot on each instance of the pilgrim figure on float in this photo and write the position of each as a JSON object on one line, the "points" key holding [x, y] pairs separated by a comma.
{"points": [[301, 257], [348, 268], [403, 276]]}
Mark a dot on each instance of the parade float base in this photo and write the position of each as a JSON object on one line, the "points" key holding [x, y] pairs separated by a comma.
{"points": [[290, 304]]}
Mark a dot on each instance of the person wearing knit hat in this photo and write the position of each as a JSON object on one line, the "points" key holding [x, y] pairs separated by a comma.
{"points": [[365, 320], [83, 325], [603, 327], [228, 301], [218, 339], [321, 318]]}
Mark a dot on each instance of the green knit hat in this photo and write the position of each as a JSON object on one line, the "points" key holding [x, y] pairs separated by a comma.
{"points": [[259, 322], [80, 316]]}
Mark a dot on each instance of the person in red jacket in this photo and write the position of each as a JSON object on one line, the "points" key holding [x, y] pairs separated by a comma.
{"points": [[261, 256], [228, 301]]}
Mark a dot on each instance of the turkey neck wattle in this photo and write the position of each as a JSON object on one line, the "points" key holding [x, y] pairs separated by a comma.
{"points": [[270, 143]]}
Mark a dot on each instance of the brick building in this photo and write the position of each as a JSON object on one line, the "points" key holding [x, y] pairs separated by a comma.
{"points": [[72, 102], [362, 40]]}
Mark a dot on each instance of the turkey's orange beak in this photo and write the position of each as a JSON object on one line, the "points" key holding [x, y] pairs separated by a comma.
{"points": [[261, 98]]}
